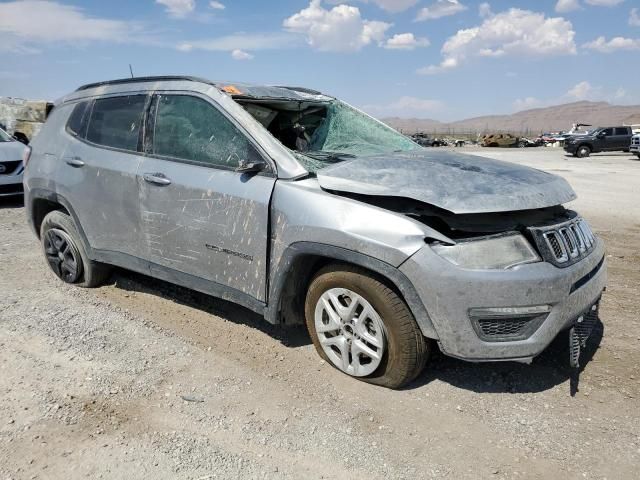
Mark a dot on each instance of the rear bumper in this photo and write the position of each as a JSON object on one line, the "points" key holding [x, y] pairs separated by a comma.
{"points": [[449, 293]]}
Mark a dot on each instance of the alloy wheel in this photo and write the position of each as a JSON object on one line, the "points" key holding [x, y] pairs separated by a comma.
{"points": [[62, 255], [350, 331]]}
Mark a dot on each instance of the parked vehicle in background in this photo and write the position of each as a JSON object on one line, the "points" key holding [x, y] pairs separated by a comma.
{"points": [[422, 139], [635, 145], [607, 139], [23, 118], [11, 166], [505, 140], [306, 210]]}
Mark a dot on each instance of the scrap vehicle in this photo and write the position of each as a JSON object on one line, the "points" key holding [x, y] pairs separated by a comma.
{"points": [[11, 166], [607, 139], [505, 140], [635, 145], [422, 139], [304, 209], [23, 119]]}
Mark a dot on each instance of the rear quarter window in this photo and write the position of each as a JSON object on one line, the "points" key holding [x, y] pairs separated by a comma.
{"points": [[115, 122], [75, 122]]}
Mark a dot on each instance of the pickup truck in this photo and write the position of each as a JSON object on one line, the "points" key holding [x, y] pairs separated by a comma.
{"points": [[608, 139], [635, 145]]}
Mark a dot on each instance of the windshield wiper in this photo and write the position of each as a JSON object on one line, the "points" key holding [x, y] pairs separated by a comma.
{"points": [[327, 156]]}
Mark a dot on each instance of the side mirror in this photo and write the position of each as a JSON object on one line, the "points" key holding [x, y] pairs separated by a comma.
{"points": [[249, 166]]}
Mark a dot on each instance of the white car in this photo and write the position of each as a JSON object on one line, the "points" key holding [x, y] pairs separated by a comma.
{"points": [[11, 166], [635, 145]]}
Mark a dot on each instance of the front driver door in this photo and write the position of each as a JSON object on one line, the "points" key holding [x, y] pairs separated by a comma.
{"points": [[200, 216]]}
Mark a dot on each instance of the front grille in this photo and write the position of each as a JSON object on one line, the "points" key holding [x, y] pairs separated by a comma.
{"points": [[635, 140], [8, 168], [566, 243]]}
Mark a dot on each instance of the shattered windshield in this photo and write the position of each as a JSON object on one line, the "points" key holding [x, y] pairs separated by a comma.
{"points": [[323, 133]]}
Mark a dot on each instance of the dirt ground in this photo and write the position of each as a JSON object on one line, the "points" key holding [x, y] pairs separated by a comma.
{"points": [[140, 379]]}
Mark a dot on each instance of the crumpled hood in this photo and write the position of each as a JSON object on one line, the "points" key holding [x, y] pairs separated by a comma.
{"points": [[10, 151], [455, 182]]}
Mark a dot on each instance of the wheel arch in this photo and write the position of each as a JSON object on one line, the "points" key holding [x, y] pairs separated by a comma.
{"points": [[300, 262], [41, 202]]}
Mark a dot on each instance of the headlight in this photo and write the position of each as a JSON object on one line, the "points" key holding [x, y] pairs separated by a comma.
{"points": [[494, 253]]}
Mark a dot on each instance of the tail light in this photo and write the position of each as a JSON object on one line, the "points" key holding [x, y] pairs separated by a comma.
{"points": [[26, 155]]}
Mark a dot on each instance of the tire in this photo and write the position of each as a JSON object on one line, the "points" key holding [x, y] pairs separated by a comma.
{"points": [[522, 144], [583, 151], [405, 350], [638, 155], [65, 252]]}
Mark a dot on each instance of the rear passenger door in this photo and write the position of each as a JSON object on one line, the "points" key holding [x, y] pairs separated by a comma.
{"points": [[200, 216], [97, 174], [622, 137]]}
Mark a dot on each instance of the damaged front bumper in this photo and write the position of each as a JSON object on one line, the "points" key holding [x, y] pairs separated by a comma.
{"points": [[538, 301]]}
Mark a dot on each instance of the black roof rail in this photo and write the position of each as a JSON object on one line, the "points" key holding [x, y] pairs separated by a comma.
{"points": [[162, 78]]}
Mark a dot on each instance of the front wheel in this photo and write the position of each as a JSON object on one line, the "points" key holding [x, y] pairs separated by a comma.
{"points": [[363, 328], [583, 151]]}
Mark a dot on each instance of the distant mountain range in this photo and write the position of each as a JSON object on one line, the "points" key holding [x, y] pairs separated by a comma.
{"points": [[533, 122]]}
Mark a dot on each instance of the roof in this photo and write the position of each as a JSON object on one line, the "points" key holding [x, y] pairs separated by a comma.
{"points": [[235, 89]]}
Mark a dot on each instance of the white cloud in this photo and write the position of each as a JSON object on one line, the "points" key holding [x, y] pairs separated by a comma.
{"points": [[406, 106], [581, 91], [216, 5], [514, 32], [564, 6], [604, 3], [405, 41], [341, 29], [601, 44], [25, 25], [240, 41], [178, 8], [393, 6], [439, 9], [238, 54], [634, 18], [484, 10], [526, 103]]}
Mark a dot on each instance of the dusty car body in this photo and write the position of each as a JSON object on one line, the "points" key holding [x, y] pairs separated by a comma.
{"points": [[506, 140], [312, 210], [11, 167]]}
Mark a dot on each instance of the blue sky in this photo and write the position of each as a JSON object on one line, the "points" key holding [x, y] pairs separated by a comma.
{"points": [[443, 59]]}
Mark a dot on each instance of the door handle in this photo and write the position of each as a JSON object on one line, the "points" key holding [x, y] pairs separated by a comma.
{"points": [[75, 162], [156, 178]]}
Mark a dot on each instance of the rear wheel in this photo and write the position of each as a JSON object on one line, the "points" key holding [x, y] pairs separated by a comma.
{"points": [[583, 151], [363, 328], [65, 252], [522, 144]]}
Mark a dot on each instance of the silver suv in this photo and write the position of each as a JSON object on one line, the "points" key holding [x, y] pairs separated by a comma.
{"points": [[302, 208]]}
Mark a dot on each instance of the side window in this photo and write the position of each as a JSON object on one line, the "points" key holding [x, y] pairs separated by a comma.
{"points": [[115, 121], [622, 131], [75, 122], [192, 129], [608, 132]]}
